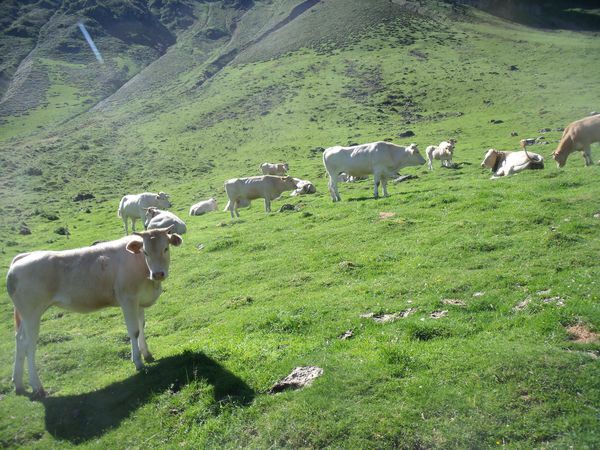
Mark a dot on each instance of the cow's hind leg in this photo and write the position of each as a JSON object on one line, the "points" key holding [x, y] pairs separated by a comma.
{"points": [[384, 186], [125, 222], [377, 181], [20, 353], [31, 330], [267, 205], [142, 344], [333, 188]]}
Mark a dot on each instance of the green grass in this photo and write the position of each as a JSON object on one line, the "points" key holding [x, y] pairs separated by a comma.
{"points": [[271, 292]]}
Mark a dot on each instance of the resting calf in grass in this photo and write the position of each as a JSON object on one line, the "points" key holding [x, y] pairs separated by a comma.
{"points": [[127, 273], [508, 163]]}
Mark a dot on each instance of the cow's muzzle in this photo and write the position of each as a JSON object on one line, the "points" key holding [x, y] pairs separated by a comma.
{"points": [[158, 276]]}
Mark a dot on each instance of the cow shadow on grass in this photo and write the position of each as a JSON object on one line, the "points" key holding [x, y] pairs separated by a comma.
{"points": [[78, 418]]}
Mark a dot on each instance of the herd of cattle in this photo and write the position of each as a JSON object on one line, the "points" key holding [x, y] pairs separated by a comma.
{"points": [[128, 272]]}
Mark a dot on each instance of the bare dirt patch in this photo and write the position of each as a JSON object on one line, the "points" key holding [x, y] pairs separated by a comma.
{"points": [[581, 334], [386, 215], [386, 318], [453, 302], [439, 314]]}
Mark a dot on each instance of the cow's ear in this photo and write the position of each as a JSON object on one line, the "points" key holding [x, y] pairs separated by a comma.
{"points": [[134, 246], [175, 240]]}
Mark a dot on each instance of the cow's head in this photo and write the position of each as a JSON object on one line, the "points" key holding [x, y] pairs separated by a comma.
{"points": [[155, 246], [489, 160], [415, 157], [565, 147], [162, 200], [289, 182]]}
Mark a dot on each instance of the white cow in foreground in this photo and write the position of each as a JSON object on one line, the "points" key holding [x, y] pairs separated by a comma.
{"points": [[203, 207], [156, 218], [382, 159], [508, 163], [127, 273], [274, 169], [241, 191], [134, 206], [303, 187], [442, 152]]}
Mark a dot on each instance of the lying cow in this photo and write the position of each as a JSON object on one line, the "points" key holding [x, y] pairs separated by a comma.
{"points": [[274, 169], [508, 163], [303, 187], [578, 136], [203, 207], [156, 218], [382, 159], [134, 206], [243, 190], [442, 152], [126, 273]]}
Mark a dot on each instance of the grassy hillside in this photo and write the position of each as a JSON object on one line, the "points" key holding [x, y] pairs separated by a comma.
{"points": [[511, 265]]}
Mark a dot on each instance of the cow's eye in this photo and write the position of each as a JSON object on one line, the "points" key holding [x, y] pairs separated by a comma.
{"points": [[166, 249]]}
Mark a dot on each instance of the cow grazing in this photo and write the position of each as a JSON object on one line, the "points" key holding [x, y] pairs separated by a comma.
{"points": [[382, 159], [508, 163], [203, 207], [156, 218], [127, 273], [279, 169], [303, 187], [134, 206], [442, 152], [578, 136], [243, 190]]}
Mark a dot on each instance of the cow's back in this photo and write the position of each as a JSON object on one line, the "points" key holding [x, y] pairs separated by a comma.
{"points": [[81, 279]]}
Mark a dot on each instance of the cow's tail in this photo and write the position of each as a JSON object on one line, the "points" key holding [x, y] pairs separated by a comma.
{"points": [[121, 204], [536, 161]]}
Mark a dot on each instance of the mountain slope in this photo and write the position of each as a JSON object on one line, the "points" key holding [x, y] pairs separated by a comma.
{"points": [[497, 278]]}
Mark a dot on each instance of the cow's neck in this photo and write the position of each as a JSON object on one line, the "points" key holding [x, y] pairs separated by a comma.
{"points": [[499, 160]]}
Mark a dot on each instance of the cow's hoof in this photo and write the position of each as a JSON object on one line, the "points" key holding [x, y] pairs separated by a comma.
{"points": [[149, 358], [39, 394], [20, 391]]}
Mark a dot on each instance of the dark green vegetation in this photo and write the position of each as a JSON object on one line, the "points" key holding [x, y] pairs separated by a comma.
{"points": [[248, 82]]}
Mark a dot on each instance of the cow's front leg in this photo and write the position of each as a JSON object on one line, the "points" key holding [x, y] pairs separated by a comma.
{"points": [[267, 204], [142, 338], [587, 155], [131, 312]]}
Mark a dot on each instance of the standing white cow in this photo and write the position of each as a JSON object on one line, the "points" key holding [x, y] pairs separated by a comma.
{"points": [[134, 206], [274, 169], [382, 159], [127, 272], [156, 218], [508, 163], [243, 190], [203, 207]]}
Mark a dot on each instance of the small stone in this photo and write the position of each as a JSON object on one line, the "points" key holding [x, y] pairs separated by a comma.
{"points": [[299, 378], [439, 314]]}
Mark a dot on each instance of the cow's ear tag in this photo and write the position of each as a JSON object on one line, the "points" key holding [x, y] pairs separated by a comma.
{"points": [[134, 246]]}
